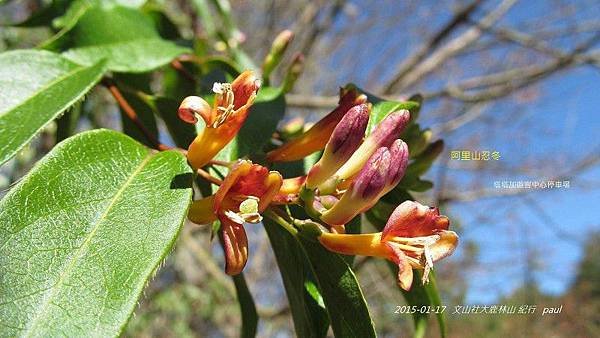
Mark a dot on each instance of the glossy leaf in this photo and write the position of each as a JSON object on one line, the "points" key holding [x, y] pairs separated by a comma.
{"points": [[83, 232], [341, 292], [310, 319], [35, 88], [182, 133], [247, 307], [265, 114], [384, 108], [126, 37]]}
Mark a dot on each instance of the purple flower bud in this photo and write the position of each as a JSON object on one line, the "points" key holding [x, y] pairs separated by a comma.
{"points": [[364, 191], [373, 177], [345, 139], [349, 132], [386, 132], [399, 162]]}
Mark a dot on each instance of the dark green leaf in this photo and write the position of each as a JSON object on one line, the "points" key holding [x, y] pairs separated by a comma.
{"points": [[66, 125], [247, 308], [310, 319], [341, 292], [35, 88], [83, 232], [264, 115], [182, 133], [146, 116], [126, 37]]}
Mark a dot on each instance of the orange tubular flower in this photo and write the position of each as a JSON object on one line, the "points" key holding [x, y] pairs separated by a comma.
{"points": [[289, 190], [317, 136], [223, 120], [415, 236], [246, 192]]}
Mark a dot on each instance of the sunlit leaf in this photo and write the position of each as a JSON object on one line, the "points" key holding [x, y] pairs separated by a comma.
{"points": [[35, 88], [83, 232], [125, 36], [310, 319], [341, 292]]}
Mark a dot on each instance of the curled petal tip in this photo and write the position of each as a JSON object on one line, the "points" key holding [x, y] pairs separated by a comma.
{"points": [[191, 107], [412, 219], [245, 88]]}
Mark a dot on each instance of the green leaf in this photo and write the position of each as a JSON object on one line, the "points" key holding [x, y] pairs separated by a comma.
{"points": [[310, 319], [126, 37], [182, 133], [247, 308], [384, 108], [35, 88], [145, 114], [83, 232], [341, 292], [434, 299], [140, 55], [264, 115]]}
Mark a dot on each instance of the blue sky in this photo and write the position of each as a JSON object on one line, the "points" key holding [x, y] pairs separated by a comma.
{"points": [[551, 133]]}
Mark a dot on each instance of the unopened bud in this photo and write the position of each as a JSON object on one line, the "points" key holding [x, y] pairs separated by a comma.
{"points": [[399, 162], [293, 73], [364, 191], [344, 141], [191, 107], [419, 142], [278, 48], [386, 132]]}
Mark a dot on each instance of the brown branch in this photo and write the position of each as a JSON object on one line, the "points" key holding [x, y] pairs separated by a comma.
{"points": [[503, 83], [447, 51], [538, 44], [131, 114], [178, 66], [412, 60], [210, 178], [317, 29]]}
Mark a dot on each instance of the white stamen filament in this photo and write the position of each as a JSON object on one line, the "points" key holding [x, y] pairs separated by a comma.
{"points": [[422, 247], [223, 112]]}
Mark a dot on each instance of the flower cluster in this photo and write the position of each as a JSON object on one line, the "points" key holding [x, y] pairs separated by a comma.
{"points": [[356, 169]]}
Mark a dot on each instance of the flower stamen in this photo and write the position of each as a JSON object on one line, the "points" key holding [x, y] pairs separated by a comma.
{"points": [[248, 211], [225, 94]]}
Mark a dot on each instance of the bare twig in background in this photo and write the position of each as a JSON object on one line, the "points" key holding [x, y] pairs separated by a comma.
{"points": [[429, 64]]}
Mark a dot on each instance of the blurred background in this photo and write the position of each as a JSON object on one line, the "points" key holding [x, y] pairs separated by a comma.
{"points": [[517, 79]]}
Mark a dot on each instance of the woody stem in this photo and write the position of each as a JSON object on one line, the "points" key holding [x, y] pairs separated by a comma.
{"points": [[131, 114], [207, 176], [178, 66]]}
